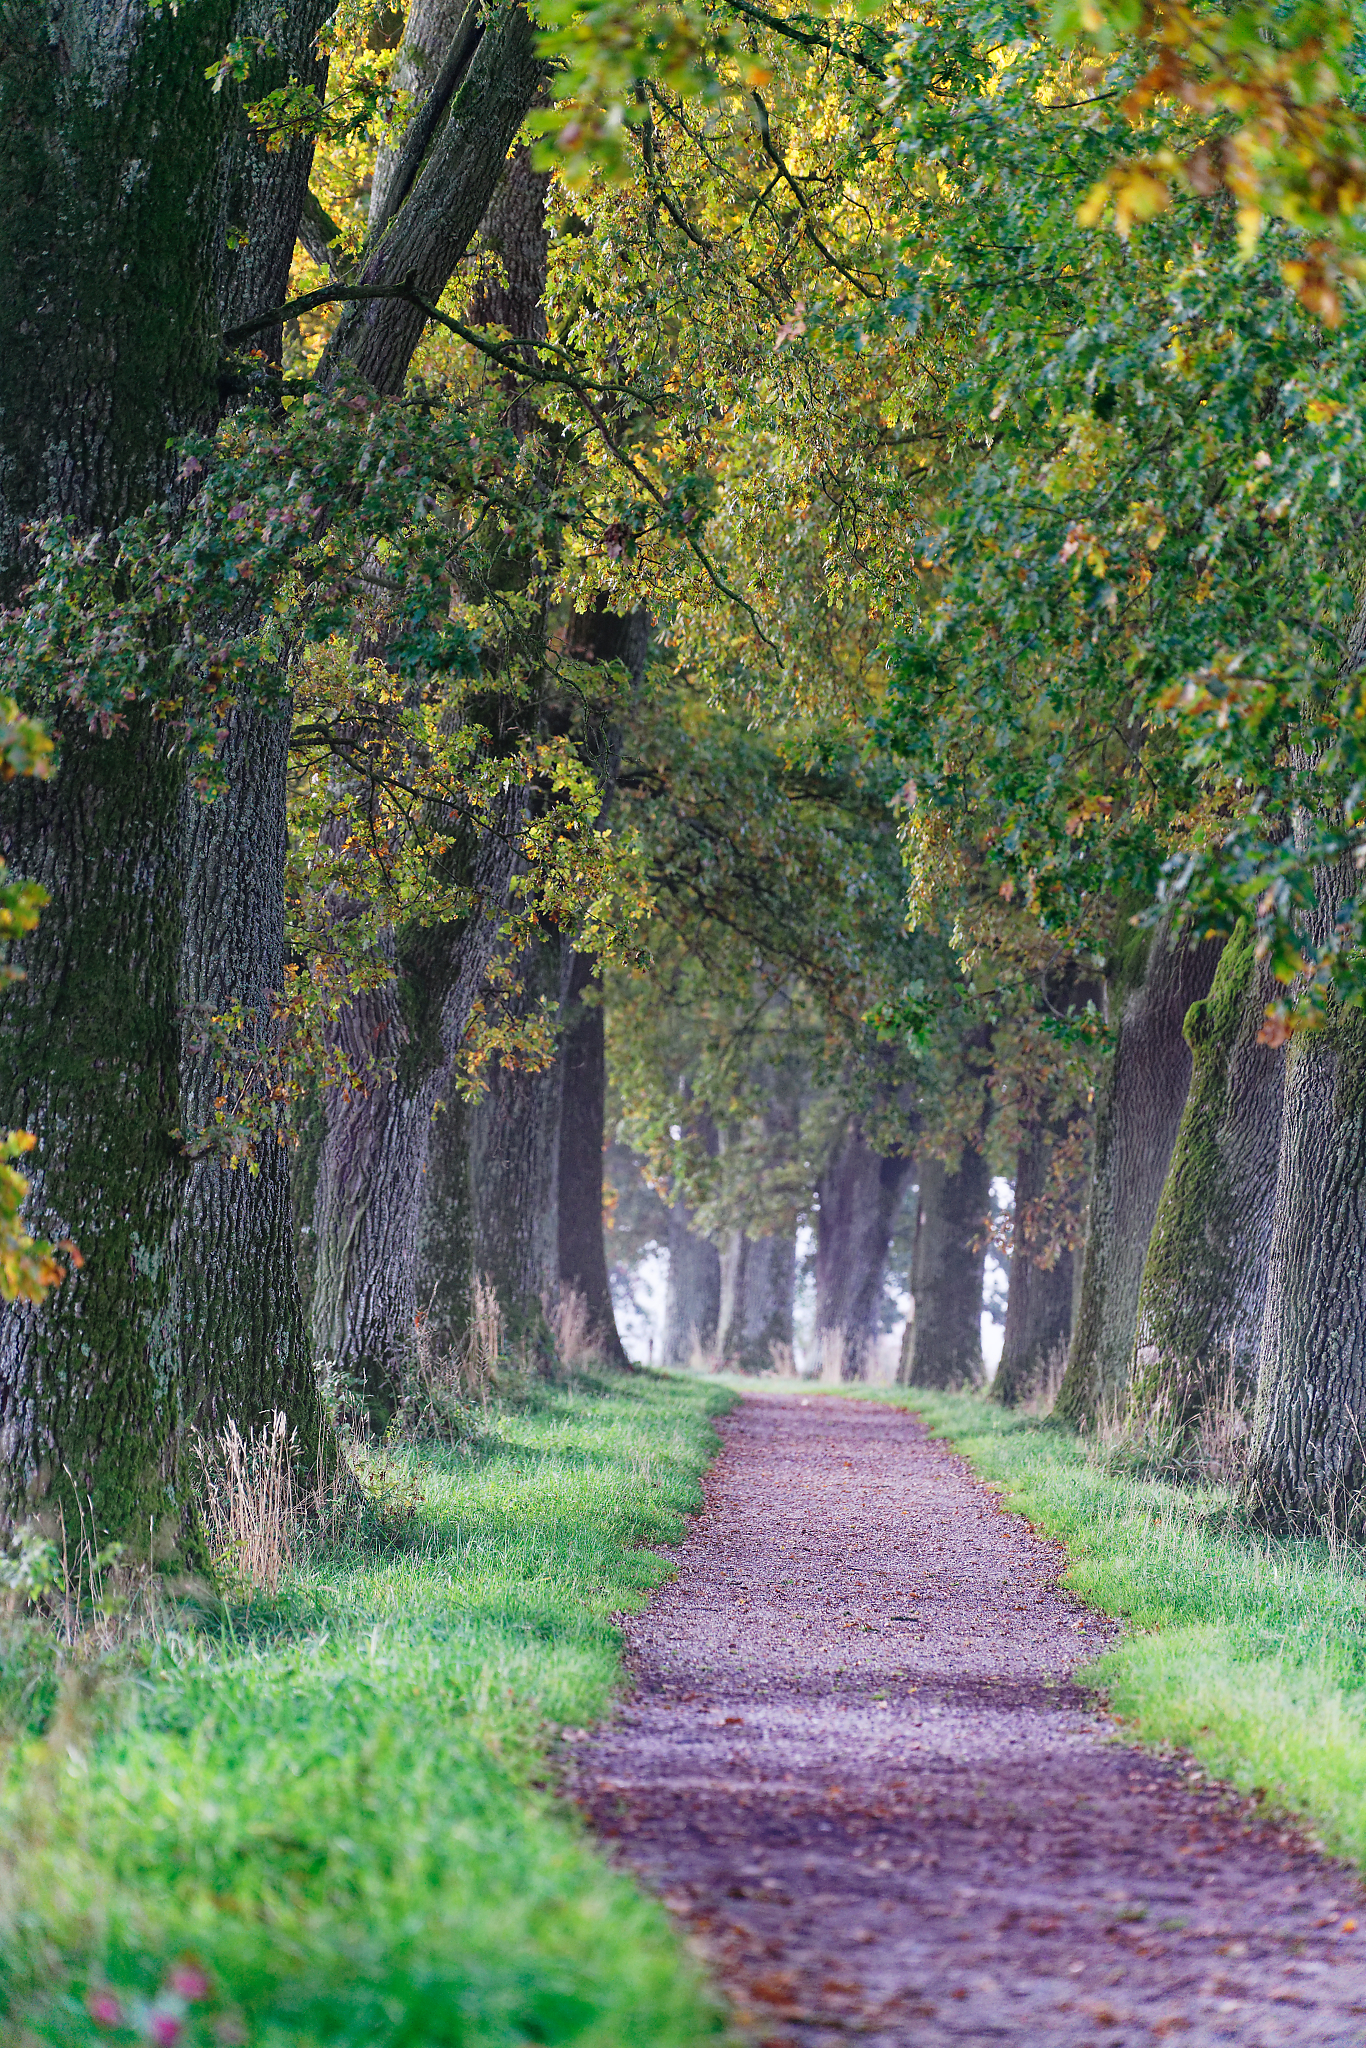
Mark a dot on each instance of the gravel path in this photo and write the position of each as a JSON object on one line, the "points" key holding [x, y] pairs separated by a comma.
{"points": [[855, 1764]]}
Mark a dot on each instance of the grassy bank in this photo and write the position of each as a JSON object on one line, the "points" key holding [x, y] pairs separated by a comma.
{"points": [[1249, 1654], [319, 1819]]}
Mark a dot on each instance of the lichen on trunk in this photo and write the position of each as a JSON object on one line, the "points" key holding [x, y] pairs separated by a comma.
{"points": [[1142, 1092], [91, 1401], [1204, 1279]]}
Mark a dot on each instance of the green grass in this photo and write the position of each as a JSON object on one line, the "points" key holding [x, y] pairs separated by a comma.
{"points": [[336, 1808], [1250, 1654]]}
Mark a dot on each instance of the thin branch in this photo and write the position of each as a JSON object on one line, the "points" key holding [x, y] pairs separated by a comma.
{"points": [[775, 157], [810, 37]]}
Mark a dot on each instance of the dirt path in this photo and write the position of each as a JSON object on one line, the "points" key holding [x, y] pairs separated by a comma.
{"points": [[855, 1764]]}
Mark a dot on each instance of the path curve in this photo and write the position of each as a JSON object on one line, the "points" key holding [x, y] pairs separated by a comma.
{"points": [[855, 1765]]}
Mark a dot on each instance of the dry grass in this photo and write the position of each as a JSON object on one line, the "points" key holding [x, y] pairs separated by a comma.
{"points": [[251, 1516], [1194, 1426], [577, 1342], [484, 1346]]}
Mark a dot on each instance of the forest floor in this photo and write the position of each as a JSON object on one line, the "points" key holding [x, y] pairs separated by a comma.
{"points": [[857, 1765]]}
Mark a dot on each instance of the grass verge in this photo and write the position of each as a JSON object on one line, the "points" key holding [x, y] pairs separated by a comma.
{"points": [[1248, 1653], [325, 1819]]}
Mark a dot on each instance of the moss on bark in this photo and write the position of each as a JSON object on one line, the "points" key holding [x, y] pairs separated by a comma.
{"points": [[1142, 1093], [1204, 1279]]}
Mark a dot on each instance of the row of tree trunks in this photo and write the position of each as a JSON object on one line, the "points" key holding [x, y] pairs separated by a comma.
{"points": [[372, 1173], [375, 1174]]}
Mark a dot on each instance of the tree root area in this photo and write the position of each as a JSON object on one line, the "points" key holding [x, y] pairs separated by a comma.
{"points": [[856, 1767]]}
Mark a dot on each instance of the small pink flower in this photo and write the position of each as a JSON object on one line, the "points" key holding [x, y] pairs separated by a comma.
{"points": [[165, 2028], [104, 2009], [189, 1982]]}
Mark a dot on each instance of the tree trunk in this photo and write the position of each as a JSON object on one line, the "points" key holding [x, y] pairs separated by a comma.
{"points": [[110, 155], [447, 201], [859, 1195], [1141, 1095], [1308, 1462], [240, 1318], [1201, 1303], [758, 1281], [692, 1302], [432, 36], [110, 145], [240, 1326], [91, 1401], [372, 1178], [1039, 1304], [943, 1344], [583, 1070], [445, 1237], [515, 1173]]}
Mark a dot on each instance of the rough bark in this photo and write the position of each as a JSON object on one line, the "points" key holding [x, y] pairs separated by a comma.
{"points": [[435, 225], [1141, 1097], [373, 1171], [514, 1166], [1308, 1461], [110, 164], [943, 1343], [859, 1194], [239, 1319], [110, 149], [582, 1253], [90, 1398], [1201, 1303], [1039, 1303], [444, 1260], [239, 1311], [758, 1278], [432, 37]]}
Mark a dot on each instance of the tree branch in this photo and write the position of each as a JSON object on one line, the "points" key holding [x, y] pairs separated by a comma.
{"points": [[810, 37]]}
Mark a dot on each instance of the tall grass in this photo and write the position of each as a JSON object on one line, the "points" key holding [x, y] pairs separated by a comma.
{"points": [[1247, 1651], [324, 1816]]}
